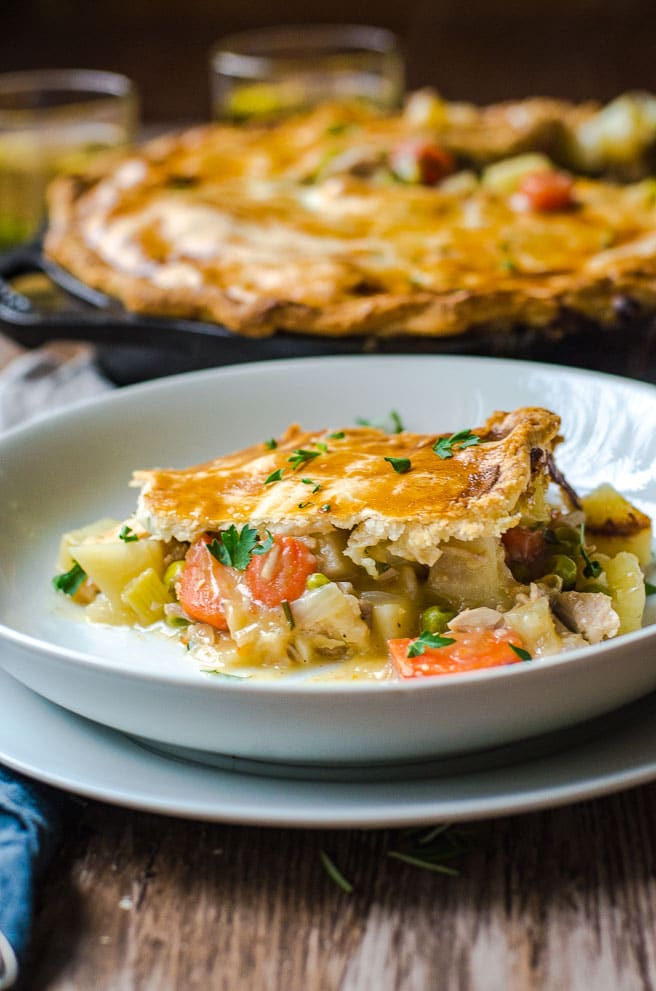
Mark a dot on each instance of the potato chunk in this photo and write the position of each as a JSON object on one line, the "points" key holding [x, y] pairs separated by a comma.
{"points": [[534, 623], [76, 537], [613, 524], [111, 565]]}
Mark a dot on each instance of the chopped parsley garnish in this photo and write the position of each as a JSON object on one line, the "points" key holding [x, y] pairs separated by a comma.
{"points": [[289, 616], [508, 264], [338, 435], [521, 653], [304, 505], [425, 640], [275, 476], [400, 465], [338, 127], [334, 873], [71, 580], [271, 444], [128, 535], [445, 447], [319, 444], [392, 426], [300, 457], [325, 508], [592, 569], [311, 481], [235, 548], [396, 422], [649, 588]]}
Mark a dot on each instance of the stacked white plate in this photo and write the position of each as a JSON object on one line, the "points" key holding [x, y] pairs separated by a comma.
{"points": [[274, 738]]}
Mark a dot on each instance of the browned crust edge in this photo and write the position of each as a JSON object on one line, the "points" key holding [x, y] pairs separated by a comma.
{"points": [[418, 314]]}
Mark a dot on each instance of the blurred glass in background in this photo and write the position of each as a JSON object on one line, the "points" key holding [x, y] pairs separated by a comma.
{"points": [[55, 121], [272, 71]]}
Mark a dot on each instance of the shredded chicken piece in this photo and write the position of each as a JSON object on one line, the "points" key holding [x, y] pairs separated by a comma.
{"points": [[588, 613], [482, 618]]}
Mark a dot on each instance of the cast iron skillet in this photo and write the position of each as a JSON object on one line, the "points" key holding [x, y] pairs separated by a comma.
{"points": [[133, 348]]}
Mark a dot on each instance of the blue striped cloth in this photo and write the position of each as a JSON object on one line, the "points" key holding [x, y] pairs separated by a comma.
{"points": [[30, 823]]}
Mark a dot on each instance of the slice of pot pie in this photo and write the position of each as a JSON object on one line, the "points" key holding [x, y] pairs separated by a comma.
{"points": [[407, 554], [342, 221]]}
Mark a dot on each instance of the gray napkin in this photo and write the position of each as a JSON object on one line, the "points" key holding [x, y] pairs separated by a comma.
{"points": [[36, 382], [32, 383]]}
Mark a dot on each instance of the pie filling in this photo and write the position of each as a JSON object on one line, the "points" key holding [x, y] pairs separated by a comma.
{"points": [[491, 568]]}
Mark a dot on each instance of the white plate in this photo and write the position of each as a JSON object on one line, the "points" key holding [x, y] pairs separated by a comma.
{"points": [[54, 746], [74, 466]]}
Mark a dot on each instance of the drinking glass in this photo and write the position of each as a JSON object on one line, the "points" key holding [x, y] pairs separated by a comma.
{"points": [[54, 121], [272, 71]]}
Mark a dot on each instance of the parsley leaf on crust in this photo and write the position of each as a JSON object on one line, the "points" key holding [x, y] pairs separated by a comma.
{"points": [[235, 548], [445, 447]]}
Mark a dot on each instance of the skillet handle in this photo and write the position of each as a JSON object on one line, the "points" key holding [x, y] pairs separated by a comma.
{"points": [[15, 307], [81, 313]]}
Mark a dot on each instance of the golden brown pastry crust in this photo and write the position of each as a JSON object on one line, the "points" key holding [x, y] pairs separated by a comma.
{"points": [[475, 493], [247, 228]]}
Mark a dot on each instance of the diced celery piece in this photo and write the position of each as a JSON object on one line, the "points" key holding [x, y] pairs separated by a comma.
{"points": [[147, 595], [627, 589]]}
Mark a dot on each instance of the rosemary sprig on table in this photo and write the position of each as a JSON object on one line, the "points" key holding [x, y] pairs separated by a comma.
{"points": [[334, 873], [428, 848]]}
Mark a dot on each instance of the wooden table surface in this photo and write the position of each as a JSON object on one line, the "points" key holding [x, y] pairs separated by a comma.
{"points": [[563, 900]]}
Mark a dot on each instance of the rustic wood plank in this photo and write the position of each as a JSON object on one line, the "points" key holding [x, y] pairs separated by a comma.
{"points": [[559, 900]]}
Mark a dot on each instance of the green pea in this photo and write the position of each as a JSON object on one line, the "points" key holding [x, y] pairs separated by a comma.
{"points": [[565, 568], [566, 549], [567, 536], [316, 581], [520, 572], [595, 587], [435, 620]]}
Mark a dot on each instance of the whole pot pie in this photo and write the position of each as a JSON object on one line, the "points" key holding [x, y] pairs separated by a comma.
{"points": [[341, 221]]}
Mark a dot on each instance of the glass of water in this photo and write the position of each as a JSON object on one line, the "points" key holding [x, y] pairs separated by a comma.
{"points": [[54, 121], [273, 71]]}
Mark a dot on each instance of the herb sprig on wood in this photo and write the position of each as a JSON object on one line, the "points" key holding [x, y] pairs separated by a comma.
{"points": [[436, 849]]}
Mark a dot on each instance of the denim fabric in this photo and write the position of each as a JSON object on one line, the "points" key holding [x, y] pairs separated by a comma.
{"points": [[30, 820]]}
